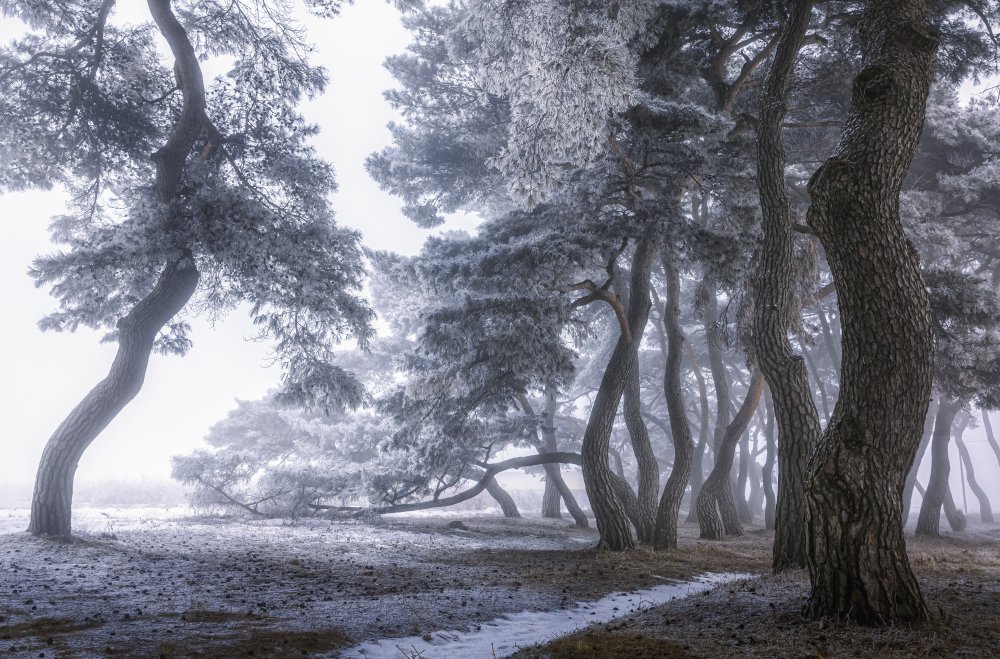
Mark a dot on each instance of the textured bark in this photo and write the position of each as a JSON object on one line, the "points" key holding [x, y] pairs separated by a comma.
{"points": [[856, 553], [51, 506], [774, 305], [698, 461], [609, 510], [720, 378], [769, 460], [716, 511], [928, 523], [648, 471], [911, 476], [680, 473]]}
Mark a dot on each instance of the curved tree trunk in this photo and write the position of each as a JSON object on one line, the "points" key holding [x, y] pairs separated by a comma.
{"points": [[609, 511], [768, 469], [929, 521], [553, 475], [911, 476], [502, 497], [716, 511], [955, 517], [856, 553], [648, 471], [774, 306], [698, 461], [740, 493], [680, 473], [990, 437], [51, 505], [985, 509], [552, 496]]}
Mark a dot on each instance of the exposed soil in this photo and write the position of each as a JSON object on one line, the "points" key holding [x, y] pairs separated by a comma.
{"points": [[761, 617], [143, 585]]}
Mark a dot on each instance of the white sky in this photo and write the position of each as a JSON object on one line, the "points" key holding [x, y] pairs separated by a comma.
{"points": [[45, 375]]}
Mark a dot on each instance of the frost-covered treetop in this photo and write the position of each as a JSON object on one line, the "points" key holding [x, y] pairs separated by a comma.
{"points": [[86, 98], [566, 67]]}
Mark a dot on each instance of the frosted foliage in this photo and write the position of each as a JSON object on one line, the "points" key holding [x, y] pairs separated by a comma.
{"points": [[566, 67]]}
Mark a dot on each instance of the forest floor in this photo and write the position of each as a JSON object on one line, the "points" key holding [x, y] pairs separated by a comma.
{"points": [[155, 582]]}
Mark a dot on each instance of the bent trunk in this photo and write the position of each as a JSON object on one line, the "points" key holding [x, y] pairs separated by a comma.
{"points": [[985, 509], [502, 497], [51, 505], [698, 461], [774, 306], [911, 476], [768, 470], [609, 511], [929, 521], [680, 473], [717, 514], [648, 471], [856, 553]]}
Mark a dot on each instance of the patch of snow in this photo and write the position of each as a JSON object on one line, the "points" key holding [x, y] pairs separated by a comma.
{"points": [[505, 636]]}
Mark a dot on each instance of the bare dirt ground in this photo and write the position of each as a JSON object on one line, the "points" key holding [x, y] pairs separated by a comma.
{"points": [[154, 584], [761, 617]]}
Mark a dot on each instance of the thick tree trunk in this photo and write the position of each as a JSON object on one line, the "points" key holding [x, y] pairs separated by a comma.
{"points": [[680, 473], [911, 476], [51, 506], [720, 378], [716, 511], [774, 305], [955, 517], [928, 523], [698, 461], [856, 555], [769, 460], [985, 509], [609, 510]]}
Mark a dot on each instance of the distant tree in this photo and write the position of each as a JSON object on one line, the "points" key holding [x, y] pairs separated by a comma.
{"points": [[232, 206]]}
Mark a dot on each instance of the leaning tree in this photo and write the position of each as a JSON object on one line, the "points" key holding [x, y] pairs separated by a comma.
{"points": [[184, 194]]}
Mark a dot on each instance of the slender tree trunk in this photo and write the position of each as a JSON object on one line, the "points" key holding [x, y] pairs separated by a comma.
{"points": [[668, 511], [553, 474], [856, 555], [609, 510], [720, 377], [768, 470], [756, 500], [740, 493], [774, 305], [648, 471], [985, 509], [990, 437], [698, 461], [928, 523], [51, 506], [955, 517], [911, 476], [551, 497], [812, 369], [503, 497], [716, 511], [828, 340]]}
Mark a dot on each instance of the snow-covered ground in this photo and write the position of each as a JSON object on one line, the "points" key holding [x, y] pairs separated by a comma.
{"points": [[152, 581]]}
